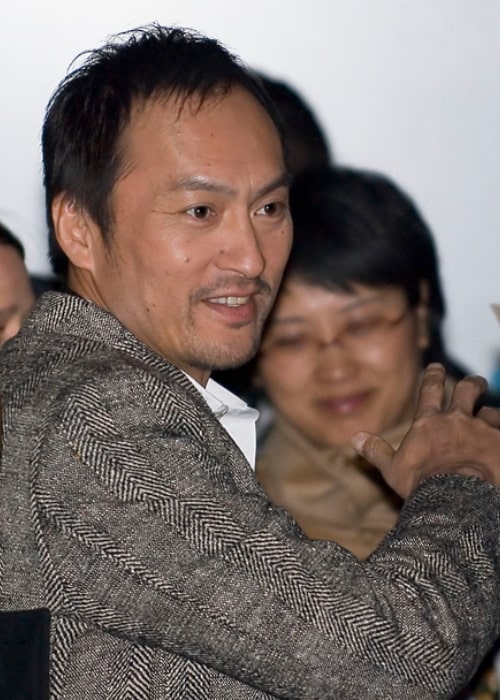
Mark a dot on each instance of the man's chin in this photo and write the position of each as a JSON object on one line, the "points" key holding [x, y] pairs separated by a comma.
{"points": [[233, 362], [234, 359], [224, 355]]}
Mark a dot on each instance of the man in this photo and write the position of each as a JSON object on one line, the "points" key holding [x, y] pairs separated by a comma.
{"points": [[127, 505], [16, 292]]}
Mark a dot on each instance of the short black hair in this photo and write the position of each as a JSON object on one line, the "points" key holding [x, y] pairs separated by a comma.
{"points": [[91, 107]]}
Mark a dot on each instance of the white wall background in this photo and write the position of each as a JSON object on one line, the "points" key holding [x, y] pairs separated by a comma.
{"points": [[407, 87]]}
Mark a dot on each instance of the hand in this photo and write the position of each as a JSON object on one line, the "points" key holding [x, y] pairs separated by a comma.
{"points": [[440, 441]]}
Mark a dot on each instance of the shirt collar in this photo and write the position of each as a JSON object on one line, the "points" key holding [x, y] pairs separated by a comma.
{"points": [[233, 413]]}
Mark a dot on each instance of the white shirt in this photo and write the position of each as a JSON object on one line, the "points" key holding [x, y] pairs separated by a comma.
{"points": [[233, 414]]}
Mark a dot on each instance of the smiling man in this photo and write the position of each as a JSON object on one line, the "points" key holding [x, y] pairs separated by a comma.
{"points": [[128, 506]]}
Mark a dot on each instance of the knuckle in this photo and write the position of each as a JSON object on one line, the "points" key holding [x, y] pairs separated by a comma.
{"points": [[434, 371], [475, 381]]}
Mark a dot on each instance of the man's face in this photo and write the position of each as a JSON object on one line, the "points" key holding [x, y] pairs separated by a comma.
{"points": [[201, 231], [16, 293]]}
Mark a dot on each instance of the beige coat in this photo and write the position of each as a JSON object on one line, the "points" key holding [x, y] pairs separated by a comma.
{"points": [[332, 493]]}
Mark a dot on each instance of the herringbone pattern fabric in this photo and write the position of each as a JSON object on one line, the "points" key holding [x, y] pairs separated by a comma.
{"points": [[128, 511]]}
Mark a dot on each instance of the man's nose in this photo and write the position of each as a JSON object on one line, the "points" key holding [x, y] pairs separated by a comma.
{"points": [[240, 248]]}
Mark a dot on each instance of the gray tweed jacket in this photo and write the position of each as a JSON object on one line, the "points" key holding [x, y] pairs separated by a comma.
{"points": [[127, 510]]}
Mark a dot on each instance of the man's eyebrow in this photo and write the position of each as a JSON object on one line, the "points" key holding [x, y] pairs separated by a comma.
{"points": [[283, 180], [198, 182], [195, 183]]}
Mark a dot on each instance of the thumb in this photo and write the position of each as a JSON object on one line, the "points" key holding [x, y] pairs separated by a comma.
{"points": [[374, 449]]}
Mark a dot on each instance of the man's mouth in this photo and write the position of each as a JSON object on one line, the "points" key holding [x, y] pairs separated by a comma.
{"points": [[229, 301]]}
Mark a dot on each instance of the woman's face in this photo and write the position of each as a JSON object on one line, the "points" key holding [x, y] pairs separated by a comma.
{"points": [[334, 363]]}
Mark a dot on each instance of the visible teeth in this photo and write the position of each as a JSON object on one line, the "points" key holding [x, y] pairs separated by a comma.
{"points": [[230, 301]]}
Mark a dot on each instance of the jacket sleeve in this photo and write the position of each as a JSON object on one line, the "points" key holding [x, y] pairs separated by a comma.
{"points": [[152, 534]]}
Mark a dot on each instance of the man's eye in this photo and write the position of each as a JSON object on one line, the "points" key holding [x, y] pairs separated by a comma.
{"points": [[200, 212], [272, 209]]}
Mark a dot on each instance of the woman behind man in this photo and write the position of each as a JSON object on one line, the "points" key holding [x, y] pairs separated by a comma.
{"points": [[358, 317]]}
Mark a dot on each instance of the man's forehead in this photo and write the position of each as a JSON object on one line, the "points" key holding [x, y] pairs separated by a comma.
{"points": [[196, 131]]}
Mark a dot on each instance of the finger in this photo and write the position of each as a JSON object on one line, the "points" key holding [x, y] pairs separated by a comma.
{"points": [[490, 415], [374, 449], [431, 392], [466, 393]]}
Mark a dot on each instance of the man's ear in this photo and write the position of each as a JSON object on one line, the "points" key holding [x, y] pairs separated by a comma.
{"points": [[75, 231], [422, 310]]}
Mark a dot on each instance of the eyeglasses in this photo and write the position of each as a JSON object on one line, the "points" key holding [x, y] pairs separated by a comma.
{"points": [[359, 330]]}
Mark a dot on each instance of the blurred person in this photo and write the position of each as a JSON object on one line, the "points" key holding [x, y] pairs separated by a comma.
{"points": [[359, 315], [128, 504], [34, 248], [16, 291]]}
